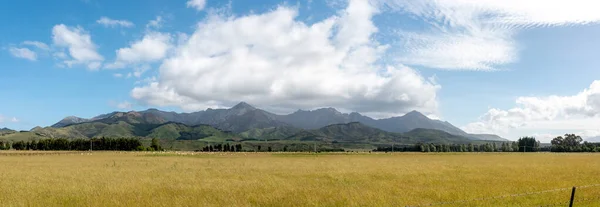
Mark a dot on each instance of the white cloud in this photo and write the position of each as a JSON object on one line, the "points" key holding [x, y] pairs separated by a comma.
{"points": [[39, 45], [124, 105], [4, 119], [138, 71], [479, 35], [579, 114], [156, 23], [272, 60], [196, 4], [60, 55], [108, 22], [23, 53], [151, 48], [118, 75], [79, 44]]}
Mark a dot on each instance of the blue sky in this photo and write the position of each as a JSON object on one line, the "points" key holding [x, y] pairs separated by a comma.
{"points": [[506, 67]]}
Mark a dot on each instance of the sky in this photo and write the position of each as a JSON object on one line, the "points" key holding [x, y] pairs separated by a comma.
{"points": [[508, 67]]}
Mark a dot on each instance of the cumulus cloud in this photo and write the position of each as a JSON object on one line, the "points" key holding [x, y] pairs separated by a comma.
{"points": [[23, 53], [151, 48], [273, 60], [79, 44], [108, 22], [196, 4], [479, 35], [579, 113]]}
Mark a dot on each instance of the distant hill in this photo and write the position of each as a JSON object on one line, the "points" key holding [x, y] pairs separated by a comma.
{"points": [[5, 131], [436, 136], [69, 121], [489, 137], [132, 124]]}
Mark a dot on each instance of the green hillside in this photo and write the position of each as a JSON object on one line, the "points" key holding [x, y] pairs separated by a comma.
{"points": [[21, 136], [270, 133], [351, 132], [177, 131]]}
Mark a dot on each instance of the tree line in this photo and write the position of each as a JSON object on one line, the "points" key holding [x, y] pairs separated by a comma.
{"points": [[102, 144], [267, 148], [573, 143], [222, 148], [524, 144]]}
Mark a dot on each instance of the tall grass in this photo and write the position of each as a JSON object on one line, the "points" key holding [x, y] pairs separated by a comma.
{"points": [[287, 179]]}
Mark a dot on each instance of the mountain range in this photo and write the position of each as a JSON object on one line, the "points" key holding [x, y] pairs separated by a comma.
{"points": [[246, 124], [246, 121]]}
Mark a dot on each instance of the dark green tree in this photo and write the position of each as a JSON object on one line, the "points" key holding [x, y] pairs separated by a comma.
{"points": [[155, 145], [528, 144]]}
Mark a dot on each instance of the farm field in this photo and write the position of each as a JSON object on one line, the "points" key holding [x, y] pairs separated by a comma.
{"points": [[296, 179]]}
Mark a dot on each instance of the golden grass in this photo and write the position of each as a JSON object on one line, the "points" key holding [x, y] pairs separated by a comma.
{"points": [[278, 179]]}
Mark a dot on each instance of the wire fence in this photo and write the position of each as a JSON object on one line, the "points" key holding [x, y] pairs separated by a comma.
{"points": [[582, 199]]}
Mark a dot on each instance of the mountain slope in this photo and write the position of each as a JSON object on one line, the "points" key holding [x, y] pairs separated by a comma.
{"points": [[356, 132], [489, 137], [350, 132], [178, 131], [436, 136], [414, 120], [5, 131], [69, 121]]}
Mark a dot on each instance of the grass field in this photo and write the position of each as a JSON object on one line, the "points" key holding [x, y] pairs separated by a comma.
{"points": [[288, 179]]}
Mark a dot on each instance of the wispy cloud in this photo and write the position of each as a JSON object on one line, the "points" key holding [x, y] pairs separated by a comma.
{"points": [[23, 53], [155, 23], [5, 119], [196, 4], [124, 105], [108, 22], [39, 45], [479, 35]]}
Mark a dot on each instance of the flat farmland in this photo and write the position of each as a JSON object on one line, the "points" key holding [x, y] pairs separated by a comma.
{"points": [[297, 179]]}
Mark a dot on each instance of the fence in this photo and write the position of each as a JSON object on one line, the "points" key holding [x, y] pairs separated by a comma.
{"points": [[573, 197]]}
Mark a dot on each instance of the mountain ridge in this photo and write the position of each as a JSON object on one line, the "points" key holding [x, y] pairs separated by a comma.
{"points": [[244, 117]]}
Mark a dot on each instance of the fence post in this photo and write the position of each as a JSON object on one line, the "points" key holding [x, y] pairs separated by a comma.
{"points": [[572, 197]]}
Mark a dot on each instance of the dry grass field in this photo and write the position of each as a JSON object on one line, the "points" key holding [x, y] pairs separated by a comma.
{"points": [[287, 179]]}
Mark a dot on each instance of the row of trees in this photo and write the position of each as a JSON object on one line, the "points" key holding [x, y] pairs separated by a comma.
{"points": [[524, 144], [222, 148], [105, 144], [296, 147], [573, 143]]}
